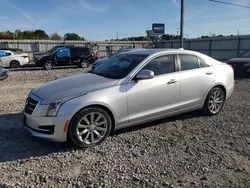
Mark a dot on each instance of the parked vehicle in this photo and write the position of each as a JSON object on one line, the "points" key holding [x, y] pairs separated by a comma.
{"points": [[13, 59], [135, 87], [3, 73], [241, 64], [70, 55], [104, 59], [37, 54]]}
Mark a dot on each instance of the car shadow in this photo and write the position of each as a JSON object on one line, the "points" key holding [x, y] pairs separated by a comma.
{"points": [[190, 115], [17, 143]]}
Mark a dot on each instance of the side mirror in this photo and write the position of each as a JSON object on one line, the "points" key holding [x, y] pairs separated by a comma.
{"points": [[145, 74]]}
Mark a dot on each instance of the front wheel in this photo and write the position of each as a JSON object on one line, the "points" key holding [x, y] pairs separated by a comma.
{"points": [[90, 127], [214, 102], [48, 65]]}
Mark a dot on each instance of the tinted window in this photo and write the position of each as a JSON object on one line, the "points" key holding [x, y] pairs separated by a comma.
{"points": [[162, 65], [2, 54], [85, 50], [188, 62], [203, 64], [119, 66], [64, 52]]}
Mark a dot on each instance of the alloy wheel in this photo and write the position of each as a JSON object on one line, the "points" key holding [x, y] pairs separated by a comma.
{"points": [[48, 65], [216, 101], [84, 64], [92, 128]]}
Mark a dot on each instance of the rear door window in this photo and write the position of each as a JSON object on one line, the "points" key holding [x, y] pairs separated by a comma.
{"points": [[188, 62]]}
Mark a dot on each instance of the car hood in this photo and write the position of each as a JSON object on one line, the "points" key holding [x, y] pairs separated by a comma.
{"points": [[37, 54], [102, 60], [239, 60], [71, 86]]}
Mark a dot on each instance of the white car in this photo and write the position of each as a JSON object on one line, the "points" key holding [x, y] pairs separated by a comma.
{"points": [[13, 59]]}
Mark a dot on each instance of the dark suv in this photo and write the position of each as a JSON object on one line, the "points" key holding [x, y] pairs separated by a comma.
{"points": [[68, 55]]}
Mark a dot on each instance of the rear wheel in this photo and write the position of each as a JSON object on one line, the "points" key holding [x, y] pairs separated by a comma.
{"points": [[15, 64], [90, 127], [83, 63], [214, 102], [48, 65]]}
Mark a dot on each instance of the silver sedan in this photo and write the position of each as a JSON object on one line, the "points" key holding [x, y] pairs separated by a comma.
{"points": [[132, 88]]}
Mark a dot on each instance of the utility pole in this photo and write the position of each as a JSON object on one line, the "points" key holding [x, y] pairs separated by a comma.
{"points": [[182, 23], [116, 35]]}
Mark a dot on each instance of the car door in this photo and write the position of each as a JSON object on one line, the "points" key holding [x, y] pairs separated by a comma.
{"points": [[152, 98], [6, 59], [63, 56], [196, 77]]}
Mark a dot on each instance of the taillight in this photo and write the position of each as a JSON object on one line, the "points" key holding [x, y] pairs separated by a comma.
{"points": [[25, 56], [96, 53]]}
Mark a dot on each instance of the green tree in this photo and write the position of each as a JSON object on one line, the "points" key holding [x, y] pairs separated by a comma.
{"points": [[55, 36], [72, 36], [29, 35], [18, 34], [41, 34]]}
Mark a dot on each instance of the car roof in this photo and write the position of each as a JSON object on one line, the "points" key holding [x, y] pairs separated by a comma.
{"points": [[159, 50], [153, 51]]}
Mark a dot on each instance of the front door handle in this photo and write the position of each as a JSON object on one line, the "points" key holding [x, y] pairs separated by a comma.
{"points": [[172, 81], [209, 73]]}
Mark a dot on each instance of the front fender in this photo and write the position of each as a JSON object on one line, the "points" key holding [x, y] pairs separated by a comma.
{"points": [[72, 106]]}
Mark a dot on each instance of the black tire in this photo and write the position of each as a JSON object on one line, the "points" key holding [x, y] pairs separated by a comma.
{"points": [[79, 117], [15, 64], [84, 63], [208, 102], [48, 65]]}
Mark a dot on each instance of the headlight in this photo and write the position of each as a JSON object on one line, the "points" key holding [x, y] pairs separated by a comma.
{"points": [[53, 108]]}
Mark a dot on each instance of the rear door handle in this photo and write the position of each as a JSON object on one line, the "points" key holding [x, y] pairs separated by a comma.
{"points": [[209, 73], [172, 81]]}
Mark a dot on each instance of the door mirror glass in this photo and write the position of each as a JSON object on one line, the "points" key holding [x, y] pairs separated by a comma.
{"points": [[145, 74]]}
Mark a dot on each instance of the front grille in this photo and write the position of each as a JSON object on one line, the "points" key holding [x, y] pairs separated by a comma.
{"points": [[30, 105]]}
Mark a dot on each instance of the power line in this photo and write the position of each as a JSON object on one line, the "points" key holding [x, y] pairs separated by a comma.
{"points": [[170, 10], [157, 4], [222, 2]]}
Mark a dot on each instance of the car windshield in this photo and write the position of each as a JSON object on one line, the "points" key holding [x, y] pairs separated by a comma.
{"points": [[119, 66], [245, 54]]}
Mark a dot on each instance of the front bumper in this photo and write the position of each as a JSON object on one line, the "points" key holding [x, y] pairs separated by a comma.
{"points": [[48, 128]]}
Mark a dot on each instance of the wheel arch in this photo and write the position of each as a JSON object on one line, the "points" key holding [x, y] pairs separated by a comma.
{"points": [[109, 111], [14, 60]]}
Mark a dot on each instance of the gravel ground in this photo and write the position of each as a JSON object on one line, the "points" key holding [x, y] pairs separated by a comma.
{"points": [[185, 151]]}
